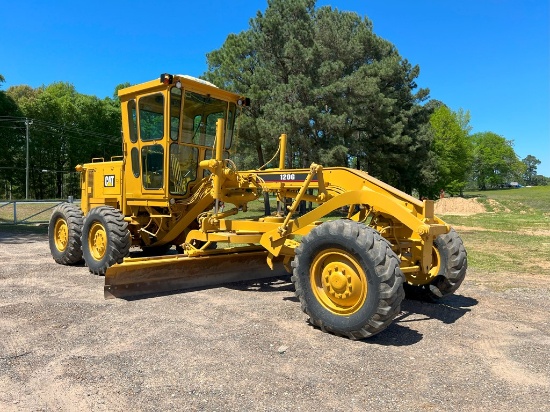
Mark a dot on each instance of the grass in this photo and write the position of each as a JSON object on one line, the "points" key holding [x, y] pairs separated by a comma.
{"points": [[535, 198], [514, 236], [515, 209], [26, 212], [256, 211]]}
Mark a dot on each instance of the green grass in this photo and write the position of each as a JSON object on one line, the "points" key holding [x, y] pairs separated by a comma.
{"points": [[535, 198], [513, 236], [26, 212], [505, 240], [516, 209], [256, 210]]}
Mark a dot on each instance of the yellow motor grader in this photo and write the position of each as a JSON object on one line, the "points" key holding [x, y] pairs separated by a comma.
{"points": [[176, 185]]}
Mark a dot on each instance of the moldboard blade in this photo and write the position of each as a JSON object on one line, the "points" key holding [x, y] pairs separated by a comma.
{"points": [[143, 276]]}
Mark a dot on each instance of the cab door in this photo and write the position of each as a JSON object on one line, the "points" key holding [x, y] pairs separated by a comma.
{"points": [[146, 173]]}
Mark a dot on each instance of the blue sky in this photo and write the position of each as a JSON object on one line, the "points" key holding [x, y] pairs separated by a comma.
{"points": [[490, 57]]}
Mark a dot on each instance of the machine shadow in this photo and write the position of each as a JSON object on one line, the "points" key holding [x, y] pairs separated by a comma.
{"points": [[20, 237], [447, 310], [399, 333], [274, 284]]}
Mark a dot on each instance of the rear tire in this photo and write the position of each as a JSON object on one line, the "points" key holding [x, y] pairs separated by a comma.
{"points": [[348, 279], [452, 263], [105, 239], [64, 232]]}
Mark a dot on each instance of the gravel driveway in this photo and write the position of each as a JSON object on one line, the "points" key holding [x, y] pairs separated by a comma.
{"points": [[248, 347]]}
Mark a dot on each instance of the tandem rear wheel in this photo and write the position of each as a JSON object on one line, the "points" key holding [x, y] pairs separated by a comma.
{"points": [[64, 232], [348, 279], [105, 239], [449, 265]]}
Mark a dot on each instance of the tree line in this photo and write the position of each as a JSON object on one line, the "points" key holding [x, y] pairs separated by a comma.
{"points": [[52, 129], [343, 95]]}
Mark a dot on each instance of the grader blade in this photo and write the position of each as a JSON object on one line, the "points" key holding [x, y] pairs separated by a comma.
{"points": [[144, 276]]}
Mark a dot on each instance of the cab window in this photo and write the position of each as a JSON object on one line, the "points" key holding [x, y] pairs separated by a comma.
{"points": [[230, 125], [200, 114], [134, 156], [183, 167], [175, 107], [132, 119], [152, 160], [151, 117], [211, 120]]}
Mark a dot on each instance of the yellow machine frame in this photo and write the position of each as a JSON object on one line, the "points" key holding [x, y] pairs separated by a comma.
{"points": [[174, 176]]}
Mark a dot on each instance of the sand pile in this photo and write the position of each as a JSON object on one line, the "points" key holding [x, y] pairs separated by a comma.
{"points": [[458, 206]]}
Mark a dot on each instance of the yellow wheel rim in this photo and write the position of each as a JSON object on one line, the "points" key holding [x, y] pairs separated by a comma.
{"points": [[436, 263], [419, 278], [97, 239], [61, 235], [338, 282]]}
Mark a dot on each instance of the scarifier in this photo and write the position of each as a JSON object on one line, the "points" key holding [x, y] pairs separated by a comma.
{"points": [[173, 186]]}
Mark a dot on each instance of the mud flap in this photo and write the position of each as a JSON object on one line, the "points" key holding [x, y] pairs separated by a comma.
{"points": [[144, 276]]}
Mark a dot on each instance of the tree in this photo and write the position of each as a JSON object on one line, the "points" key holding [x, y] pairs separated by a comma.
{"points": [[115, 99], [67, 128], [541, 180], [12, 131], [342, 94], [530, 175], [453, 148], [495, 161]]}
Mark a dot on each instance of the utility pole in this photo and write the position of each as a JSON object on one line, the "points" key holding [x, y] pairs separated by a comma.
{"points": [[27, 124]]}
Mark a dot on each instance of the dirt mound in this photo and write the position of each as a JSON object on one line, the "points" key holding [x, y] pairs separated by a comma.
{"points": [[458, 206]]}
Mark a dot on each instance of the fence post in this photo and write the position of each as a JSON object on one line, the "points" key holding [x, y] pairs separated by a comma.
{"points": [[14, 213]]}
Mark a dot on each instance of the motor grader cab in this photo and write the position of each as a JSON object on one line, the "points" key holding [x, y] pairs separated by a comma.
{"points": [[175, 173]]}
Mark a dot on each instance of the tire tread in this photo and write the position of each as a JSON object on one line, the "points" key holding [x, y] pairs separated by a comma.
{"points": [[72, 214], [390, 290], [119, 240]]}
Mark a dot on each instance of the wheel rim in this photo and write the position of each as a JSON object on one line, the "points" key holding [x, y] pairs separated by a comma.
{"points": [[97, 239], [61, 235], [420, 278], [338, 282], [436, 263]]}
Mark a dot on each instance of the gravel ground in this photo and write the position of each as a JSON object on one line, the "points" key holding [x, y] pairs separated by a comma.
{"points": [[248, 346]]}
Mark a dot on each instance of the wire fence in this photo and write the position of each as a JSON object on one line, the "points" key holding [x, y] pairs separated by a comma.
{"points": [[28, 211]]}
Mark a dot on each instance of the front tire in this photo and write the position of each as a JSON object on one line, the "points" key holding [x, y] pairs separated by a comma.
{"points": [[105, 239], [348, 279], [64, 232]]}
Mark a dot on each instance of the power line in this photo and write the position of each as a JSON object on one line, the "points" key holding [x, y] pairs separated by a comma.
{"points": [[11, 127], [74, 128], [98, 140], [57, 125], [104, 141]]}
